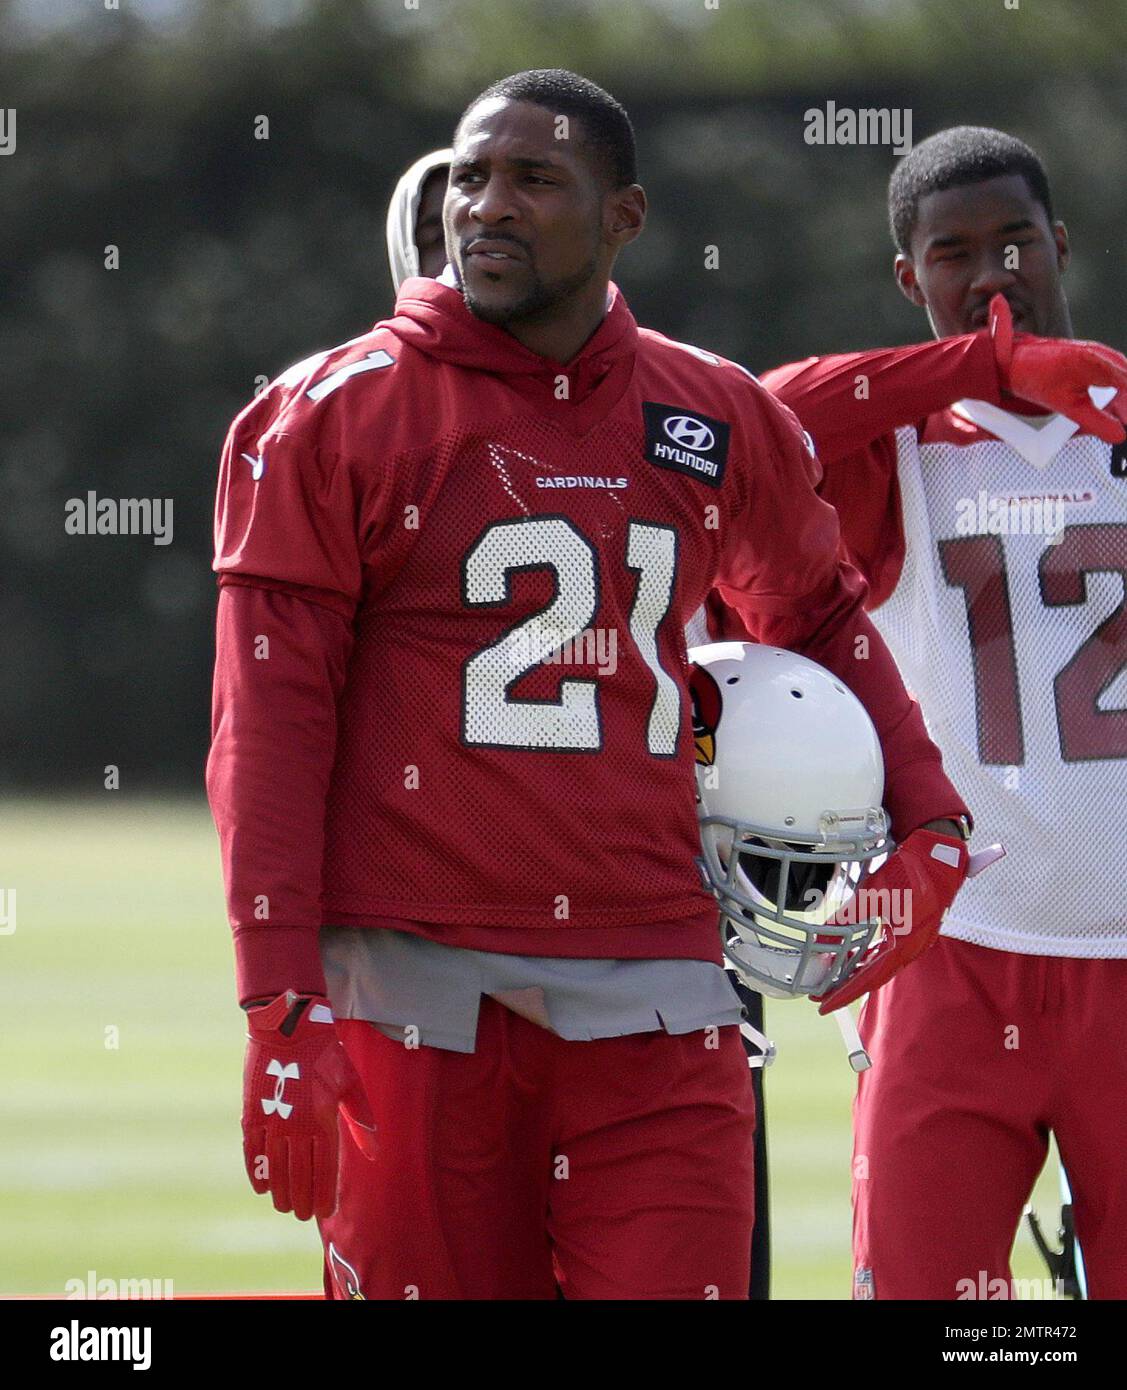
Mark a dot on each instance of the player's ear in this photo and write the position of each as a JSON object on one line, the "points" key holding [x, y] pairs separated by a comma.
{"points": [[904, 269], [624, 214], [1064, 251]]}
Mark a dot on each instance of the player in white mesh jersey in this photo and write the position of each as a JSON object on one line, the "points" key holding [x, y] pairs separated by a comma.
{"points": [[994, 539]]}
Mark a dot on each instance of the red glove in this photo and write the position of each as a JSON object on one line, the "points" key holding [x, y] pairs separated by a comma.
{"points": [[911, 892], [295, 1077], [1056, 373]]}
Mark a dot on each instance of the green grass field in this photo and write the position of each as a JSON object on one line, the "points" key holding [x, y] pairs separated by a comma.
{"points": [[120, 1062]]}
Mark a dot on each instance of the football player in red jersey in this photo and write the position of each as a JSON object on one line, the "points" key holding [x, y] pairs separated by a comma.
{"points": [[981, 488], [452, 758], [413, 211]]}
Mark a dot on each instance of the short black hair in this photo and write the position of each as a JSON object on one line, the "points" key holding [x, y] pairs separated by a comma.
{"points": [[960, 155], [606, 126]]}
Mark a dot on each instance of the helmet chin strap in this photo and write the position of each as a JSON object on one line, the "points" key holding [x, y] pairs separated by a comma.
{"points": [[859, 1059], [766, 1054]]}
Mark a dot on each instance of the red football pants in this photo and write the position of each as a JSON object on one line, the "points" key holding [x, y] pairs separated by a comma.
{"points": [[616, 1168], [977, 1055]]}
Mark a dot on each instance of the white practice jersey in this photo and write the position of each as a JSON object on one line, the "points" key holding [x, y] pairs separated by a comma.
{"points": [[1009, 624]]}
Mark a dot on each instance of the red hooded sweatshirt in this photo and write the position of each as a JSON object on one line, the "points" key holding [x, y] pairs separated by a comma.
{"points": [[450, 690]]}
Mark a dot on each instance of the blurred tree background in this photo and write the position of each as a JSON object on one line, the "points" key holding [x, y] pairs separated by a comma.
{"points": [[136, 129]]}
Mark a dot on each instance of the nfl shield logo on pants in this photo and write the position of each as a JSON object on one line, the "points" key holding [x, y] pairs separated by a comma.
{"points": [[863, 1286]]}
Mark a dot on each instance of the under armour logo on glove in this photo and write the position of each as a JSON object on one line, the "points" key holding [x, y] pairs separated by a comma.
{"points": [[290, 1138], [290, 1072]]}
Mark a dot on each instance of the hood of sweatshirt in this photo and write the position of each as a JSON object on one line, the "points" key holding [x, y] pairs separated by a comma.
{"points": [[432, 317], [403, 215]]}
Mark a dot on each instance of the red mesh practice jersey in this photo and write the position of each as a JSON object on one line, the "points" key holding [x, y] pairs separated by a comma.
{"points": [[473, 568]]}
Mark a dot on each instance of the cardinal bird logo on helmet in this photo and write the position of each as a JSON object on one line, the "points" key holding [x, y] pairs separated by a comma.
{"points": [[707, 702]]}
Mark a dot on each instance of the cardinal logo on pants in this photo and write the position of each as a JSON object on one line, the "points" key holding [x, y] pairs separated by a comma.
{"points": [[348, 1281]]}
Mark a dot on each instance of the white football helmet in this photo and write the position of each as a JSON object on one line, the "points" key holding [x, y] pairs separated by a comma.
{"points": [[790, 779]]}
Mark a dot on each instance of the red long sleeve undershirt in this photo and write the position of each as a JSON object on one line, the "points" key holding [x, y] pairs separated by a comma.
{"points": [[852, 404], [848, 400], [273, 745]]}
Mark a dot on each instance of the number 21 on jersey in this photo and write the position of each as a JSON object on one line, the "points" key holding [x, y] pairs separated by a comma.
{"points": [[491, 717]]}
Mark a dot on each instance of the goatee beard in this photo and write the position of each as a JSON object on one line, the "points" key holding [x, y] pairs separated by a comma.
{"points": [[538, 303]]}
